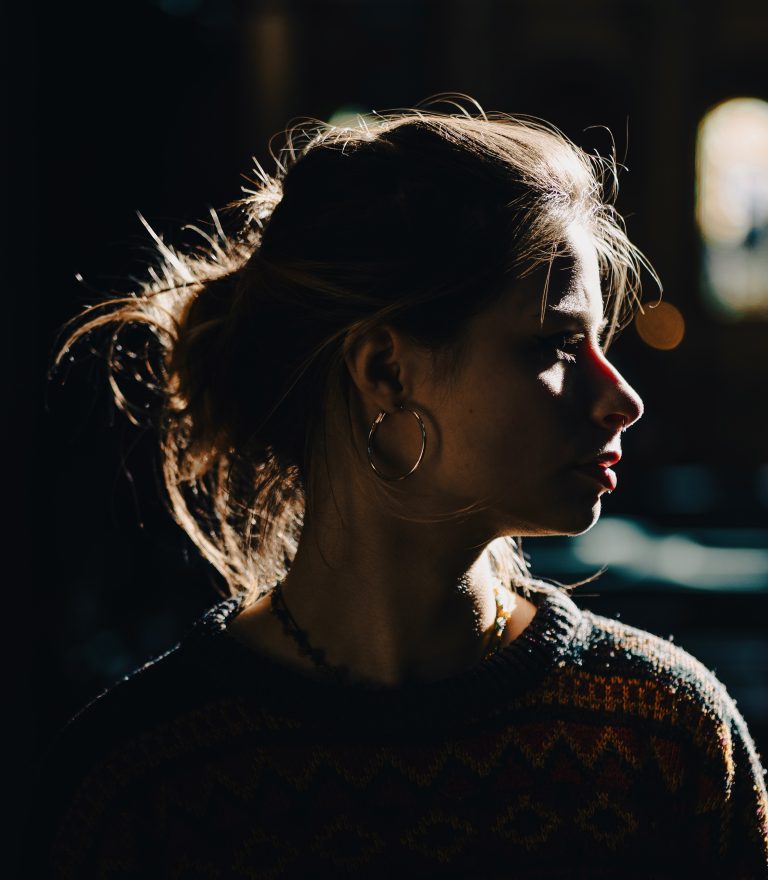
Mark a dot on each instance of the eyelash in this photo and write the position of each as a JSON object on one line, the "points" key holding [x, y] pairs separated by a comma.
{"points": [[560, 341]]}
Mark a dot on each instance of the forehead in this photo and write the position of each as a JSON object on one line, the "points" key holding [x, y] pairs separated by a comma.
{"points": [[570, 285]]}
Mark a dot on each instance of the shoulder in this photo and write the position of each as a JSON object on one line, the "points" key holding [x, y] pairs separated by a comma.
{"points": [[178, 682], [109, 731], [611, 647], [614, 645], [635, 680], [699, 740], [654, 680], [86, 766], [121, 746], [616, 670]]}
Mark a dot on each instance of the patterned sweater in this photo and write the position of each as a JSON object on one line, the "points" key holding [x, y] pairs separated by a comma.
{"points": [[584, 748]]}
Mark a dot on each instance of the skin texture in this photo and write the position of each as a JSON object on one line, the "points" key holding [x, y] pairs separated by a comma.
{"points": [[398, 601]]}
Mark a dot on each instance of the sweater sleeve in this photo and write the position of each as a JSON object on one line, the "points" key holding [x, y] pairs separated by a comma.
{"points": [[87, 813], [745, 841], [83, 822], [731, 803]]}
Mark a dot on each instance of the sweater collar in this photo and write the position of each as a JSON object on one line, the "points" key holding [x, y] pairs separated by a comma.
{"points": [[514, 669]]}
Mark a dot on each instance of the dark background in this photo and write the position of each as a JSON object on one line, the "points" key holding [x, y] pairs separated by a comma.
{"points": [[158, 107]]}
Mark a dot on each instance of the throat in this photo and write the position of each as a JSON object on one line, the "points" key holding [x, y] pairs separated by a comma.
{"points": [[260, 630]]}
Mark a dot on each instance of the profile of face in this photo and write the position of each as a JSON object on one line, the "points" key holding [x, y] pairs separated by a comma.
{"points": [[531, 403]]}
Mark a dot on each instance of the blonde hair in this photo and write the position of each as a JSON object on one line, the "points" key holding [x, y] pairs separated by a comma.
{"points": [[419, 218]]}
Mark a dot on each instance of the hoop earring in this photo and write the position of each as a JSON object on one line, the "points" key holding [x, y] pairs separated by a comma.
{"points": [[374, 427]]}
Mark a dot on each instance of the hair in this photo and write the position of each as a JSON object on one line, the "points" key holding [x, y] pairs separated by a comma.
{"points": [[418, 218]]}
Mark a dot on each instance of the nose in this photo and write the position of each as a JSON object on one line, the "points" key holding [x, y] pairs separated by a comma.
{"points": [[616, 405]]}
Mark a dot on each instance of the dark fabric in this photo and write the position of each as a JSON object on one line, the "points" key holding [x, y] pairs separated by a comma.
{"points": [[585, 748]]}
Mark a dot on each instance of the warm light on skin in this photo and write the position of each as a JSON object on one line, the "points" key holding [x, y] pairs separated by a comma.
{"points": [[530, 402]]}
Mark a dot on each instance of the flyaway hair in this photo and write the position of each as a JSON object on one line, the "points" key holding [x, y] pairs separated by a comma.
{"points": [[419, 218]]}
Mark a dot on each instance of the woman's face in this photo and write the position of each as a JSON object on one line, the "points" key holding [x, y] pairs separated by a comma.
{"points": [[532, 402]]}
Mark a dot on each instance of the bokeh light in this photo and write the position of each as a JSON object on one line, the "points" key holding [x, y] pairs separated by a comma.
{"points": [[347, 116], [732, 205], [660, 325]]}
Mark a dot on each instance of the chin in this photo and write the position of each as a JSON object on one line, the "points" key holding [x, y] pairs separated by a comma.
{"points": [[569, 520], [574, 521], [588, 519]]}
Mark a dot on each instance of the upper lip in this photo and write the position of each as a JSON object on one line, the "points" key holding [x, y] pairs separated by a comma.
{"points": [[603, 459]]}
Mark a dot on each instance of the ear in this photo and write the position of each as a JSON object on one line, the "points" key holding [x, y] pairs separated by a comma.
{"points": [[382, 366]]}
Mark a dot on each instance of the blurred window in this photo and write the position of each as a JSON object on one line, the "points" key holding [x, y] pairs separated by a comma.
{"points": [[732, 207]]}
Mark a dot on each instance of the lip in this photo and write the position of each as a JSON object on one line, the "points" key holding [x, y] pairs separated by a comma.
{"points": [[604, 459], [601, 473]]}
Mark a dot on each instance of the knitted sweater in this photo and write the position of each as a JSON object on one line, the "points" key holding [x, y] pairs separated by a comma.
{"points": [[584, 748]]}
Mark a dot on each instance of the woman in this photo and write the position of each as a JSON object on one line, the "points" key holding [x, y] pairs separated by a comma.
{"points": [[394, 370]]}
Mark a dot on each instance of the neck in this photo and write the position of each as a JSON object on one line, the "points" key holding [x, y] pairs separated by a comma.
{"points": [[409, 602]]}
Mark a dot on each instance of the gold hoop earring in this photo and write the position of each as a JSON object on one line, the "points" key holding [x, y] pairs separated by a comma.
{"points": [[374, 427]]}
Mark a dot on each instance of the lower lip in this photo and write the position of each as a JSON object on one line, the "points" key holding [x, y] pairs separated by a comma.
{"points": [[605, 476]]}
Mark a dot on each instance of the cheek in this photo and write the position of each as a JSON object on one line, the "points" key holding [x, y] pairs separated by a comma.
{"points": [[527, 437], [501, 435], [502, 421], [553, 380]]}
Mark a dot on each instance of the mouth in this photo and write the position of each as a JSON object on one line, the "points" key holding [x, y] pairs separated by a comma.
{"points": [[601, 473]]}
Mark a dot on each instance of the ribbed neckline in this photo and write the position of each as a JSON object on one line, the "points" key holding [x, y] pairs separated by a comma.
{"points": [[512, 670]]}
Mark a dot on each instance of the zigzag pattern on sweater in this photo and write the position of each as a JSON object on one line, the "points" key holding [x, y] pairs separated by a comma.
{"points": [[591, 749]]}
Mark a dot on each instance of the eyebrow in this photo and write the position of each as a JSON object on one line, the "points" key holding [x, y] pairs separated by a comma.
{"points": [[564, 317]]}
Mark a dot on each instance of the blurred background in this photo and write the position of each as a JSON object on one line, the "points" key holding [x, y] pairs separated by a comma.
{"points": [[158, 106]]}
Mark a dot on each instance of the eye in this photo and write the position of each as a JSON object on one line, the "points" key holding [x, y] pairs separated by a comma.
{"points": [[562, 345]]}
